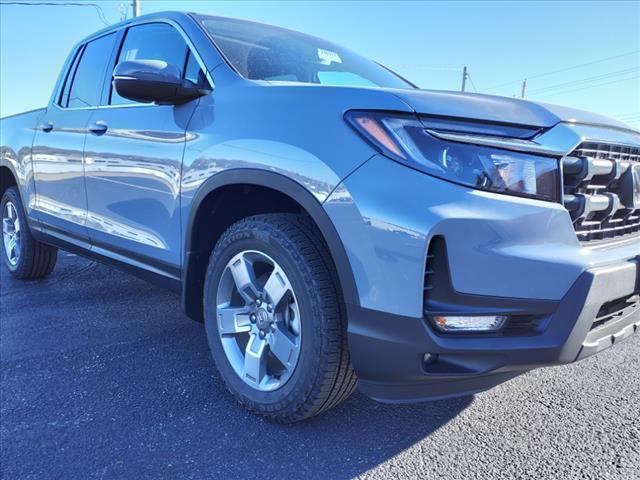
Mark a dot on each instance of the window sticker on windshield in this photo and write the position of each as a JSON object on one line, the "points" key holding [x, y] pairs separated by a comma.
{"points": [[327, 57]]}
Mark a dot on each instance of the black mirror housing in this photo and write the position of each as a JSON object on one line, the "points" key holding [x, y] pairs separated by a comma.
{"points": [[153, 81]]}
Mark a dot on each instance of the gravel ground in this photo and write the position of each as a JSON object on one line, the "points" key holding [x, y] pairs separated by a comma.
{"points": [[104, 377]]}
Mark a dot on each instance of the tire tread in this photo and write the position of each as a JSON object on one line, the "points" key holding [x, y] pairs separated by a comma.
{"points": [[37, 259]]}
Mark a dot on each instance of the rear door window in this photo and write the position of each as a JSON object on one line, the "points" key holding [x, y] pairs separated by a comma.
{"points": [[63, 101], [87, 84], [151, 41]]}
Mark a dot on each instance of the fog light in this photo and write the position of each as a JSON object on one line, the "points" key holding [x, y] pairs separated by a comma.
{"points": [[477, 323]]}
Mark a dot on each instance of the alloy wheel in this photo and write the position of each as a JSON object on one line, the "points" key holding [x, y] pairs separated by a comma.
{"points": [[11, 233], [258, 320]]}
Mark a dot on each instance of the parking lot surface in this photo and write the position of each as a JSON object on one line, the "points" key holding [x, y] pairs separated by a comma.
{"points": [[104, 377]]}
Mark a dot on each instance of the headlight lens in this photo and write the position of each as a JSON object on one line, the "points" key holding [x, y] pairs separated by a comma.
{"points": [[404, 138]]}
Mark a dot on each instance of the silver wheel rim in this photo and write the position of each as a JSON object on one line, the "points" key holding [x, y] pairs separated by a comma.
{"points": [[258, 320], [11, 233]]}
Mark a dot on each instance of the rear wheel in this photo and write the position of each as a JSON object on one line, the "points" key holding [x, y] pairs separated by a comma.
{"points": [[274, 319], [25, 257]]}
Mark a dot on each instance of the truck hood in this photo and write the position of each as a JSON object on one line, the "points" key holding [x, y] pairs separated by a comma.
{"points": [[491, 108]]}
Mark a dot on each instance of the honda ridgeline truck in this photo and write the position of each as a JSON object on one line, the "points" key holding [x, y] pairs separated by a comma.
{"points": [[330, 223]]}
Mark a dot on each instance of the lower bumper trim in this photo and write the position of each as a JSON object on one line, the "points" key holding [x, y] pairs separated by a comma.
{"points": [[612, 334], [437, 390], [387, 350]]}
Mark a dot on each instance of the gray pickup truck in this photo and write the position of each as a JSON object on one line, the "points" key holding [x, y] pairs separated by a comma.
{"points": [[330, 223]]}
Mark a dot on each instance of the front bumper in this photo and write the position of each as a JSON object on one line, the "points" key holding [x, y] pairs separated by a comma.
{"points": [[518, 254], [388, 350]]}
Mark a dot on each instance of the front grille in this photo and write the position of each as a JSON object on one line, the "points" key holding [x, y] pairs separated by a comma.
{"points": [[599, 190]]}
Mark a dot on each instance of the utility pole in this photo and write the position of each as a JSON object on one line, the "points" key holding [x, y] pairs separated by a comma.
{"points": [[136, 7], [524, 87], [465, 75]]}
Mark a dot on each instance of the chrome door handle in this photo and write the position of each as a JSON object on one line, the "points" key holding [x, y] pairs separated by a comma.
{"points": [[46, 127], [98, 128]]}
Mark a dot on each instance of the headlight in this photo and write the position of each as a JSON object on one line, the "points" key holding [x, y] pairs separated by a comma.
{"points": [[406, 139]]}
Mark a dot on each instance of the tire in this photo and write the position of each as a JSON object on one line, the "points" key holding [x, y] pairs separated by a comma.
{"points": [[28, 259], [322, 375]]}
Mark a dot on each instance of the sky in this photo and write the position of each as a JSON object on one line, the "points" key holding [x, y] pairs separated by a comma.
{"points": [[581, 54]]}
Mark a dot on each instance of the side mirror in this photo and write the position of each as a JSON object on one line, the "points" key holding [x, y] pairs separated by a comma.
{"points": [[156, 81]]}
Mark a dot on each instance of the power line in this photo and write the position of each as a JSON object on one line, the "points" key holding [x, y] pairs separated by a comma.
{"points": [[529, 77], [585, 80], [629, 119], [97, 7], [627, 114], [589, 86], [473, 84]]}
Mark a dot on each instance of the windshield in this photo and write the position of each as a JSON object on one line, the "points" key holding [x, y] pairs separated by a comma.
{"points": [[263, 52]]}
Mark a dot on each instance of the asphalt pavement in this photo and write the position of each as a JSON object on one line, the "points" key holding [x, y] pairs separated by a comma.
{"points": [[102, 376]]}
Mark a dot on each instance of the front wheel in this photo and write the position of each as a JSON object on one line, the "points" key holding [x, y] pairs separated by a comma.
{"points": [[274, 319], [26, 257]]}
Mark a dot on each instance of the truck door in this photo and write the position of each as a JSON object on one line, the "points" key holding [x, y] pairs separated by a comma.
{"points": [[133, 161], [60, 200]]}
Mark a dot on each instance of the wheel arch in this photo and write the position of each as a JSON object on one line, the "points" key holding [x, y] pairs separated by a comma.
{"points": [[283, 193], [7, 178]]}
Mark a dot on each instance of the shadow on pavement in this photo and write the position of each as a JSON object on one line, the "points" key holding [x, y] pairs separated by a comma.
{"points": [[103, 377]]}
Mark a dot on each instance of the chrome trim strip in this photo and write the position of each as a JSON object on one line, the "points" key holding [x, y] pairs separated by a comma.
{"points": [[574, 167], [566, 137], [498, 142], [101, 107], [595, 203], [599, 166], [559, 140]]}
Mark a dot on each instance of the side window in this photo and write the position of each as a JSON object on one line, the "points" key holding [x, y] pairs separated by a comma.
{"points": [[151, 41], [193, 72], [63, 101], [88, 79]]}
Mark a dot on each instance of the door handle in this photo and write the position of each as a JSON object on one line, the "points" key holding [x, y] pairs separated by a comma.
{"points": [[46, 127], [98, 128]]}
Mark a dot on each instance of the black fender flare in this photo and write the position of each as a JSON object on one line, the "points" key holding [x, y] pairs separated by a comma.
{"points": [[9, 166], [288, 187], [33, 223]]}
